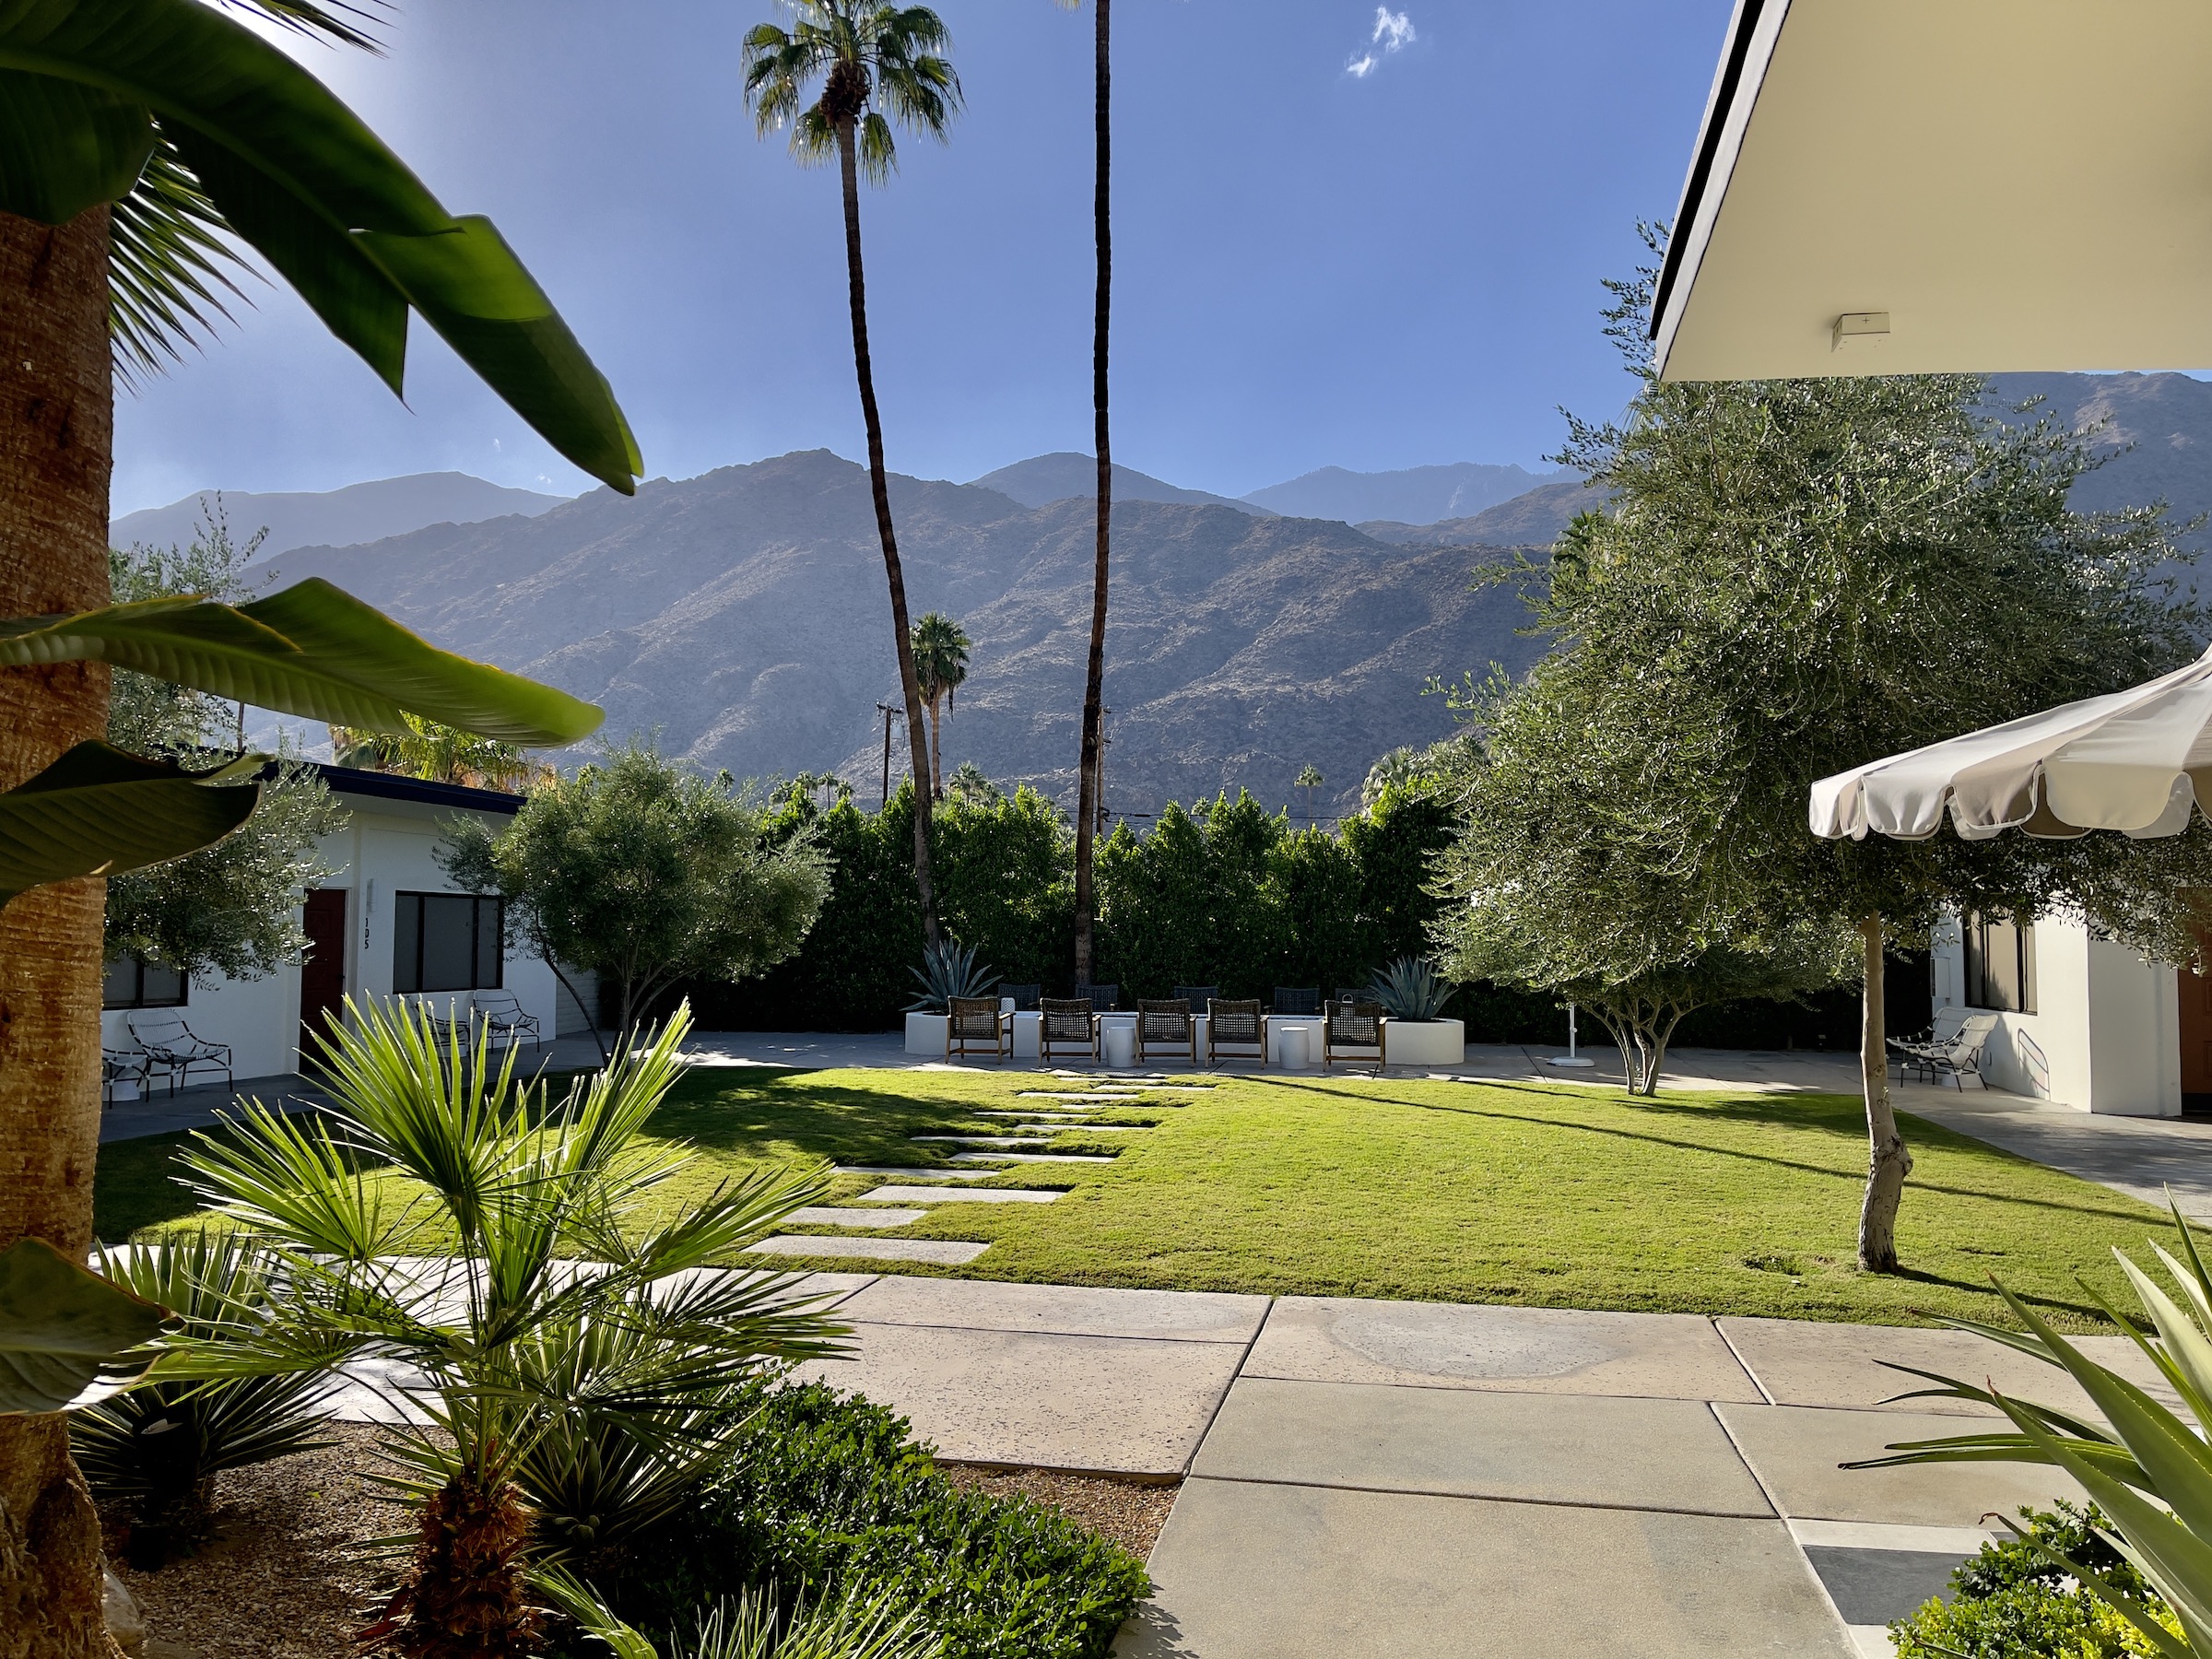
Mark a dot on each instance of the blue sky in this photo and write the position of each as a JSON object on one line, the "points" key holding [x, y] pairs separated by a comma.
{"points": [[1344, 235]]}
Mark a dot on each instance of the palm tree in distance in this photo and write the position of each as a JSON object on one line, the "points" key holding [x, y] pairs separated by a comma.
{"points": [[1094, 681], [940, 668], [1310, 779], [876, 63]]}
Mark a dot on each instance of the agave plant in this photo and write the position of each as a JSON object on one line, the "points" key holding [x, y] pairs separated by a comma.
{"points": [[949, 970], [1410, 988], [2151, 1472], [568, 1312], [161, 1446]]}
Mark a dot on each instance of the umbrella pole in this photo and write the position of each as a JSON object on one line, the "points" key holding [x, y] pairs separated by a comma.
{"points": [[1888, 1161]]}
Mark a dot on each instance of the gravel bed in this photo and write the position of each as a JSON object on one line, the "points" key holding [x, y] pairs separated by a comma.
{"points": [[1129, 1512], [279, 1579]]}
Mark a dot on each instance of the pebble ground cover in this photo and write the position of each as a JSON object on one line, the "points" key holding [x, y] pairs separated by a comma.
{"points": [[1493, 1191]]}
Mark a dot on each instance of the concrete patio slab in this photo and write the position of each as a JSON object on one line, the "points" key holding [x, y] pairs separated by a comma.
{"points": [[1799, 1363], [1260, 1572], [946, 1252], [909, 1172], [829, 1214], [1091, 1405], [1024, 1158], [1546, 1351], [1019, 1141], [1661, 1454], [1079, 1127], [1062, 1309], [1794, 1450], [934, 1194]]}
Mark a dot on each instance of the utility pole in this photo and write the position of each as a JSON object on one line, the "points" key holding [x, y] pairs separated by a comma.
{"points": [[890, 712]]}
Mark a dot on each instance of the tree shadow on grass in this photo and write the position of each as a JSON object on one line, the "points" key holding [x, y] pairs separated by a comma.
{"points": [[848, 1124], [1748, 1113]]}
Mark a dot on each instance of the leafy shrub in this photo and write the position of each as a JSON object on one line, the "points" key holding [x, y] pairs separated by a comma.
{"points": [[2011, 1601], [832, 1492], [160, 1446]]}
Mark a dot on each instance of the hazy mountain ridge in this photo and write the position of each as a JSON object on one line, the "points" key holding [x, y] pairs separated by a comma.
{"points": [[1065, 474], [742, 616], [1413, 495], [358, 512]]}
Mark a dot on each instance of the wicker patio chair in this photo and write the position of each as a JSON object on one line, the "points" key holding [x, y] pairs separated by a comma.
{"points": [[1237, 1025], [1068, 1022], [169, 1043], [1166, 1025], [1024, 996], [1101, 999], [1197, 995], [1353, 1024], [974, 1023], [1302, 1000]]}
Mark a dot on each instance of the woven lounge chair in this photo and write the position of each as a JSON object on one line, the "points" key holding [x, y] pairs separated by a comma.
{"points": [[169, 1044], [1069, 1023], [1300, 1001], [973, 1024], [1237, 1025], [1353, 1025], [1166, 1025]]}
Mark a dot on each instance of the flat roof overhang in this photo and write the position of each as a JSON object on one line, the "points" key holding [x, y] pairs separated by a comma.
{"points": [[1999, 184]]}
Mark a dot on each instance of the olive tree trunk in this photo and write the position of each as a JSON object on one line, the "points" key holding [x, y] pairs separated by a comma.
{"points": [[56, 427], [917, 738], [1090, 785], [1887, 1161]]}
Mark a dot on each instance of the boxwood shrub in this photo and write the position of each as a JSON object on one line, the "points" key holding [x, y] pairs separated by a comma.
{"points": [[2012, 1602], [833, 1490]]}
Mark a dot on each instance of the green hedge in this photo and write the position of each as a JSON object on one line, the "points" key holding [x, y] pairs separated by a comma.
{"points": [[1224, 894]]}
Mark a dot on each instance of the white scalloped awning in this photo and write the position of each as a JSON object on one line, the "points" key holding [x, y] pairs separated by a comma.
{"points": [[2133, 761]]}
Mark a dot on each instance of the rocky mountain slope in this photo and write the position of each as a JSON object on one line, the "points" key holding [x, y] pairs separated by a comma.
{"points": [[742, 616], [358, 512], [1063, 474], [1413, 495]]}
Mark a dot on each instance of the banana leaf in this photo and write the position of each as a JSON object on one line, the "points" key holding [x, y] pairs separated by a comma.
{"points": [[97, 811], [312, 650], [301, 178], [68, 1336]]}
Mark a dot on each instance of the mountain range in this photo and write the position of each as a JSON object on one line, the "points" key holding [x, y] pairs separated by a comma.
{"points": [[360, 513]]}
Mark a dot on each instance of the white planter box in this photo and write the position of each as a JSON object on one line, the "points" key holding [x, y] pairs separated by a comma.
{"points": [[1426, 1042], [925, 1034]]}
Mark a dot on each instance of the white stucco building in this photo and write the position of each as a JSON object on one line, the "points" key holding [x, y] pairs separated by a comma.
{"points": [[387, 922], [2082, 1021]]}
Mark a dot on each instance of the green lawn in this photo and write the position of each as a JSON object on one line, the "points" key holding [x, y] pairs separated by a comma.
{"points": [[1548, 1194]]}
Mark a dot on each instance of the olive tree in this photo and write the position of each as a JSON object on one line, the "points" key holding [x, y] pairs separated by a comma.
{"points": [[645, 874]]}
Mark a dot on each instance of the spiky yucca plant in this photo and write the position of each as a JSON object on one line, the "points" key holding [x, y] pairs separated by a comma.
{"points": [[949, 970]]}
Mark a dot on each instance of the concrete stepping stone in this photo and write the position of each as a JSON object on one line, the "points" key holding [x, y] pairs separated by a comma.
{"points": [[923, 1194], [980, 1140], [1021, 1158], [908, 1172], [826, 1215], [948, 1253], [1098, 1094], [1082, 1128]]}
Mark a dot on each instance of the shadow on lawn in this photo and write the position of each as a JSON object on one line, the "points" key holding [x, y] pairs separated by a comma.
{"points": [[1753, 1114], [822, 1120]]}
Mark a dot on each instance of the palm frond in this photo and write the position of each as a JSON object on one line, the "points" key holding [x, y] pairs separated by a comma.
{"points": [[347, 23], [173, 268]]}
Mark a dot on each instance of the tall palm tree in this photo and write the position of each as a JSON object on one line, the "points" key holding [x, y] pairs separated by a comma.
{"points": [[157, 131], [1094, 681], [940, 669], [876, 63]]}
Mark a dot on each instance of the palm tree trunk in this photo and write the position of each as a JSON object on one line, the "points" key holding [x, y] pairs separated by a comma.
{"points": [[56, 427], [848, 166], [1088, 786], [1887, 1161], [937, 750]]}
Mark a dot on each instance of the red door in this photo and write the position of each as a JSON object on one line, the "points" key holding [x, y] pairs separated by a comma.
{"points": [[323, 975], [2196, 991]]}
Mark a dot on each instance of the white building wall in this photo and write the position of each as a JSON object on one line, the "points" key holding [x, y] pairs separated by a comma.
{"points": [[2106, 1033], [387, 847]]}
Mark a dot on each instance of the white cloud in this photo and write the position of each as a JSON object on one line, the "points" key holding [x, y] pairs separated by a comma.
{"points": [[1393, 32]]}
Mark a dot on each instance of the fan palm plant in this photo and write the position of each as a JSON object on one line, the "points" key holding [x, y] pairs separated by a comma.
{"points": [[941, 648], [575, 1374], [876, 63], [141, 137]]}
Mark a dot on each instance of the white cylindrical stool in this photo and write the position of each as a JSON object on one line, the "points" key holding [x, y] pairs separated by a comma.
{"points": [[1117, 1045], [1295, 1050]]}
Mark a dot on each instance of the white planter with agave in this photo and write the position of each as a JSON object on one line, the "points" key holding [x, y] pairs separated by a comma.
{"points": [[925, 1034], [1426, 1042]]}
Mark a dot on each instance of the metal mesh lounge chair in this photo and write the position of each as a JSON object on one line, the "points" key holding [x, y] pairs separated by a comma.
{"points": [[169, 1043], [974, 1023], [1024, 996], [1068, 1023], [1101, 999], [1303, 1001], [1166, 1025], [1197, 995], [499, 1012], [1911, 1053], [1236, 1025], [124, 1066], [1353, 1024], [1962, 1059]]}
